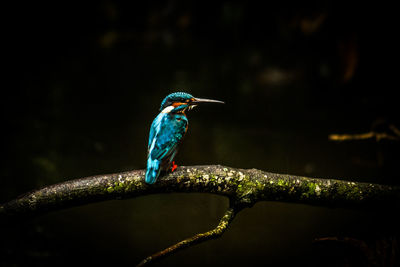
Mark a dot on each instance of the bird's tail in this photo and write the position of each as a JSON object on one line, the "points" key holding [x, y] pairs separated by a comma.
{"points": [[153, 170]]}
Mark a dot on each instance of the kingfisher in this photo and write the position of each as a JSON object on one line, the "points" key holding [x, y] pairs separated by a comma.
{"points": [[167, 132]]}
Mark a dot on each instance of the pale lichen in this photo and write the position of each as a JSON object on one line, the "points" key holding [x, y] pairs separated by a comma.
{"points": [[245, 186]]}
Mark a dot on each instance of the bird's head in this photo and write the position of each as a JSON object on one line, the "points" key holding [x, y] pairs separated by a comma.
{"points": [[179, 102]]}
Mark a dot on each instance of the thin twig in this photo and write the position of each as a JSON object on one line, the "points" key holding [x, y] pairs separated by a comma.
{"points": [[363, 136], [196, 239], [394, 129], [395, 135]]}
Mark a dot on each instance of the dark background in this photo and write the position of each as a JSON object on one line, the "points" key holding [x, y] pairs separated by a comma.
{"points": [[82, 83]]}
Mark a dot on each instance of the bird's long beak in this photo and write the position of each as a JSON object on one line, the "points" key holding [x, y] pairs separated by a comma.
{"points": [[203, 100]]}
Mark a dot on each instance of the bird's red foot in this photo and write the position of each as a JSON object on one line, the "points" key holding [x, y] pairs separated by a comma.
{"points": [[174, 166]]}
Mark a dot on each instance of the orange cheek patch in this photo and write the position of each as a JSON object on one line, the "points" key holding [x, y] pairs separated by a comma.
{"points": [[177, 104]]}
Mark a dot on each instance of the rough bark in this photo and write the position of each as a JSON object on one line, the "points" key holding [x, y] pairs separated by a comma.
{"points": [[243, 188]]}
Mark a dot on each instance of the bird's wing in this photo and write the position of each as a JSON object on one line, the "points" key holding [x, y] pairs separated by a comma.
{"points": [[155, 126], [166, 133]]}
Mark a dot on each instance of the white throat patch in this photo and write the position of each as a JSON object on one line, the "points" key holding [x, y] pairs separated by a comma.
{"points": [[167, 109]]}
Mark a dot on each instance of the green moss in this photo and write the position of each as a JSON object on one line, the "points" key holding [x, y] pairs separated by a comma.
{"points": [[349, 191], [121, 186], [110, 189], [312, 190], [248, 190], [282, 182], [341, 190]]}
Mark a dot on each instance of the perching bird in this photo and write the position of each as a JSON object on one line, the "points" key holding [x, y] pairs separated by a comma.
{"points": [[167, 132]]}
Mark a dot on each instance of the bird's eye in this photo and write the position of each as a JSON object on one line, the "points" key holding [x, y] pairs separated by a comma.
{"points": [[178, 119]]}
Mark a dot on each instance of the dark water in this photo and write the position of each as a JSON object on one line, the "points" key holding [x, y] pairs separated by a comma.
{"points": [[87, 80]]}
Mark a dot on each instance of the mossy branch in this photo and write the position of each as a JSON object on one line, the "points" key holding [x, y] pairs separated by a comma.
{"points": [[246, 187], [243, 187]]}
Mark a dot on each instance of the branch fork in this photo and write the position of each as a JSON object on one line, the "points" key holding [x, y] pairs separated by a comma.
{"points": [[243, 187]]}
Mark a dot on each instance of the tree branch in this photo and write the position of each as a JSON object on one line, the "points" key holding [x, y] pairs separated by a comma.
{"points": [[243, 187], [196, 239], [369, 135], [395, 135], [246, 187]]}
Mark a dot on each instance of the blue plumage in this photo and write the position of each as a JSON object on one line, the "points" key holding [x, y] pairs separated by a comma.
{"points": [[153, 170], [167, 132]]}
